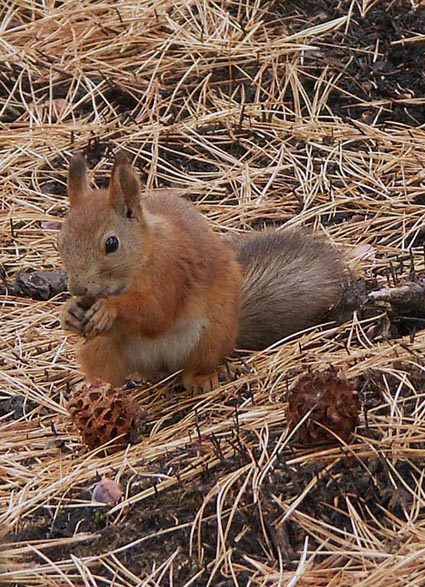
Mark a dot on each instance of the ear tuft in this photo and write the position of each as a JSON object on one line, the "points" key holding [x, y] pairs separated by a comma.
{"points": [[77, 178], [124, 190], [121, 158]]}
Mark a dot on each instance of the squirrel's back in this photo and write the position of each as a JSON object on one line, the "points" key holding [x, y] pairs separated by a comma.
{"points": [[292, 280]]}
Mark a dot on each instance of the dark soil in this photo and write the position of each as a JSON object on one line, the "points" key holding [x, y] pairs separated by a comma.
{"points": [[380, 72]]}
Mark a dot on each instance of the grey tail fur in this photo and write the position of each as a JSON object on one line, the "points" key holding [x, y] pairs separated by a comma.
{"points": [[293, 279]]}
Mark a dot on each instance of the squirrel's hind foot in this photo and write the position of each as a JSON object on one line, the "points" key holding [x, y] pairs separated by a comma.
{"points": [[204, 382], [199, 383]]}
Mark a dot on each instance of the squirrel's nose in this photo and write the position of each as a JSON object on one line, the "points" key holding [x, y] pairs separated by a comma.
{"points": [[75, 287]]}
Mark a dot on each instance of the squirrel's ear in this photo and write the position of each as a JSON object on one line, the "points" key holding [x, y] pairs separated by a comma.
{"points": [[77, 178], [124, 189]]}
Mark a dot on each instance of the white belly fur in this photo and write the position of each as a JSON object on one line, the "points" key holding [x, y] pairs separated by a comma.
{"points": [[157, 357]]}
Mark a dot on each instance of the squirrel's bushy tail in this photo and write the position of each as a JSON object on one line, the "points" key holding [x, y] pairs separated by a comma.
{"points": [[293, 279]]}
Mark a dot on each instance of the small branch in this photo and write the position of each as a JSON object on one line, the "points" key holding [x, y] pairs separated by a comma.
{"points": [[408, 297]]}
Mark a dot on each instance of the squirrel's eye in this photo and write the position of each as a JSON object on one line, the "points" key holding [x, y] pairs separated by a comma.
{"points": [[111, 244]]}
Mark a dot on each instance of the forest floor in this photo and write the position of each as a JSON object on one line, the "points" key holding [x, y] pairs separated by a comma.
{"points": [[264, 113]]}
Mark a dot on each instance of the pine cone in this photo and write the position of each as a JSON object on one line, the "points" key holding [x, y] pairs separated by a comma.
{"points": [[102, 413], [334, 405]]}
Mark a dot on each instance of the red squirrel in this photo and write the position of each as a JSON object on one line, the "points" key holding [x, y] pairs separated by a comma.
{"points": [[155, 290]]}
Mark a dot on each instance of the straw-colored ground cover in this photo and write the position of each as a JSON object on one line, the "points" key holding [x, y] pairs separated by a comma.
{"points": [[264, 112]]}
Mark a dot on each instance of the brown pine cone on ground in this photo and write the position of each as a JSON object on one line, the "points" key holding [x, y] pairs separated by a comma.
{"points": [[334, 406], [102, 413]]}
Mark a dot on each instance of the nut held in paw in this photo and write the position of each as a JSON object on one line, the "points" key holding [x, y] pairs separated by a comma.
{"points": [[333, 404], [103, 413]]}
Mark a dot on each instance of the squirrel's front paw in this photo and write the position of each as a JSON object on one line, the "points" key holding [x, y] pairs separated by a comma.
{"points": [[72, 316], [99, 319]]}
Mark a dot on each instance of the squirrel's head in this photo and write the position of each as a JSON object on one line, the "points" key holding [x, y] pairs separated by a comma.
{"points": [[103, 240]]}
